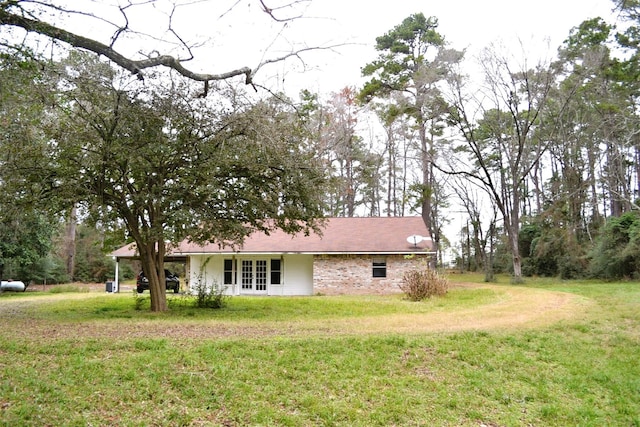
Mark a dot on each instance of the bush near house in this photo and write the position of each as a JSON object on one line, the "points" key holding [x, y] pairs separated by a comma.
{"points": [[209, 297], [423, 283]]}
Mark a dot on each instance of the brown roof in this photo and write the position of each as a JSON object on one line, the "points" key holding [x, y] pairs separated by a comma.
{"points": [[127, 251], [340, 235], [369, 235]]}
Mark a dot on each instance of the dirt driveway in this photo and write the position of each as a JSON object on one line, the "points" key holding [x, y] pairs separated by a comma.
{"points": [[515, 307]]}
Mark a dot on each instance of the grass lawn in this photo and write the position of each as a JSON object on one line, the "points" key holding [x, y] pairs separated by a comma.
{"points": [[547, 353]]}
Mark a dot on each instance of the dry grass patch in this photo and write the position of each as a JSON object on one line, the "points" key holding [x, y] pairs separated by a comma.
{"points": [[510, 308]]}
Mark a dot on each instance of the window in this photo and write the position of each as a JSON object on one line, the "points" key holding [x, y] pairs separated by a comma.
{"points": [[276, 271], [229, 272], [379, 267]]}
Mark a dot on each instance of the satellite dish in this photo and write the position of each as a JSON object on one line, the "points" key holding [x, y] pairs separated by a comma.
{"points": [[415, 239]]}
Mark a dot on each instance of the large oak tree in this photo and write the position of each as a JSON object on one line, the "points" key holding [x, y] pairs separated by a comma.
{"points": [[172, 167], [122, 149]]}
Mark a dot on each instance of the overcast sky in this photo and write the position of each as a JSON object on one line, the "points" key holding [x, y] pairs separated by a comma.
{"points": [[465, 24], [234, 34]]}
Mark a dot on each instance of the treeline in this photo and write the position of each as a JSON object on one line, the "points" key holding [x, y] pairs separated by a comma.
{"points": [[541, 160], [51, 261]]}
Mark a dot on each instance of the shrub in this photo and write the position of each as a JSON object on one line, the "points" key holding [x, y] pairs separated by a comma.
{"points": [[140, 301], [423, 283], [209, 297], [617, 250]]}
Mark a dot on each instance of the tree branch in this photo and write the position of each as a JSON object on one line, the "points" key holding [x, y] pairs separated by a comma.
{"points": [[32, 24], [270, 11], [135, 67]]}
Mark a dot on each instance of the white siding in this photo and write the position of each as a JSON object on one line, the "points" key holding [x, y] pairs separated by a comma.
{"points": [[297, 273], [298, 277], [206, 269]]}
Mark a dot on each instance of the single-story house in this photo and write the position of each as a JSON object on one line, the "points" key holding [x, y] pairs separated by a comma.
{"points": [[353, 255]]}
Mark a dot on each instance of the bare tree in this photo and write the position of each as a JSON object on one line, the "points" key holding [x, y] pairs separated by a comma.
{"points": [[33, 17], [354, 165], [499, 135], [479, 236]]}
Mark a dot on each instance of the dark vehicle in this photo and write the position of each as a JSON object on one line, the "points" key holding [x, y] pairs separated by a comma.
{"points": [[171, 280]]}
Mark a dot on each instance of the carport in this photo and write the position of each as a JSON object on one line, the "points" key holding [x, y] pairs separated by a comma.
{"points": [[129, 252]]}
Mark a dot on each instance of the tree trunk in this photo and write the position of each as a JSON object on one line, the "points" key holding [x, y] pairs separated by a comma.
{"points": [[479, 244], [488, 265], [391, 172], [153, 267], [70, 243], [427, 171], [158, 292], [637, 167], [513, 231]]}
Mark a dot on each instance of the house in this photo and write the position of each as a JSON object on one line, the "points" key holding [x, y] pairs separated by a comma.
{"points": [[353, 255]]}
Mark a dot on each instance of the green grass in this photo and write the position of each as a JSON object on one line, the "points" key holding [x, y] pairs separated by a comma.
{"points": [[109, 306], [582, 371], [60, 289]]}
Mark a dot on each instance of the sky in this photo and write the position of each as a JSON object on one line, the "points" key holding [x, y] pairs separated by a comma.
{"points": [[541, 26], [235, 33]]}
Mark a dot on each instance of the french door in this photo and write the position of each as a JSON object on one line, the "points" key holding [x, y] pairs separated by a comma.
{"points": [[253, 276]]}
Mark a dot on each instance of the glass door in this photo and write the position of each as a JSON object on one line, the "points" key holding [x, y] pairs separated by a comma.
{"points": [[253, 276]]}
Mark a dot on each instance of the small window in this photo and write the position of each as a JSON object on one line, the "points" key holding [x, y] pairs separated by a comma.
{"points": [[379, 267], [229, 272], [276, 271]]}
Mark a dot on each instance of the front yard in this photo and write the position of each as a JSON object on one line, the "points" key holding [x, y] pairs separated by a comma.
{"points": [[498, 355]]}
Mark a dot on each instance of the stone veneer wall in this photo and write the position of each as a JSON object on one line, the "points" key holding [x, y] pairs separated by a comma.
{"points": [[353, 274]]}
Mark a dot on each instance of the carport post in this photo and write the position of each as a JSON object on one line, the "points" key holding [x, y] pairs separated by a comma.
{"points": [[116, 281]]}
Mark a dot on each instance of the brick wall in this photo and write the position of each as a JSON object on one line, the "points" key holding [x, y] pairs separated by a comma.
{"points": [[353, 274]]}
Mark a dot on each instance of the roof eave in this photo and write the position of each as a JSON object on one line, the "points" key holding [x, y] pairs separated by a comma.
{"points": [[412, 252]]}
